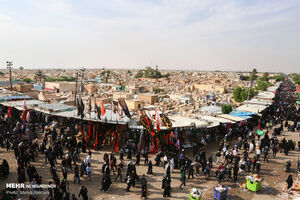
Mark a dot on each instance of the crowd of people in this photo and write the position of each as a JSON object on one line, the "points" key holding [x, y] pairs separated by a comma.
{"points": [[241, 150]]}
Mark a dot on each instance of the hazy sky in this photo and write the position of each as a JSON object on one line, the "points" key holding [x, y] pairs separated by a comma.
{"points": [[174, 34]]}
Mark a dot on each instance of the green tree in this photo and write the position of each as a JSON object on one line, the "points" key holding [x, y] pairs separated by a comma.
{"points": [[139, 74], [244, 78], [241, 94], [279, 77], [226, 108], [253, 75], [61, 78], [21, 68], [265, 76], [1, 73], [156, 90], [166, 75], [296, 78], [27, 80], [39, 76], [262, 85]]}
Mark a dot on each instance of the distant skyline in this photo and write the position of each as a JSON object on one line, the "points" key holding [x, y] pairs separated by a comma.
{"points": [[234, 35]]}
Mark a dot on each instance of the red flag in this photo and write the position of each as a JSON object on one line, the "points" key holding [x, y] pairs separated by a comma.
{"points": [[24, 114], [9, 112], [259, 127], [172, 133], [158, 125], [90, 129], [96, 138], [25, 106], [102, 108]]}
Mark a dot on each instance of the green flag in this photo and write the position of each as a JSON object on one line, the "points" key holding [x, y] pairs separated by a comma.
{"points": [[259, 132], [298, 95]]}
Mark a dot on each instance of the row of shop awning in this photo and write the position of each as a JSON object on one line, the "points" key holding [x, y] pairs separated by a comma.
{"points": [[18, 101]]}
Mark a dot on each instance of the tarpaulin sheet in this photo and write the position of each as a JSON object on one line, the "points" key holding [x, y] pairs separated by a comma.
{"points": [[241, 113]]}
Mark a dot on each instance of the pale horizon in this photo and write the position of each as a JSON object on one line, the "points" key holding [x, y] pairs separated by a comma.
{"points": [[234, 35]]}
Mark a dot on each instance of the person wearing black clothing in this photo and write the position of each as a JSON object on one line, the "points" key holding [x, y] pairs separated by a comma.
{"points": [[50, 195], [64, 172], [190, 171], [121, 155], [245, 155], [143, 182], [235, 171], [129, 156], [138, 158], [119, 172], [166, 186], [150, 168], [82, 169], [210, 160], [146, 158], [144, 193], [157, 159], [76, 174], [274, 149], [257, 166], [106, 182], [83, 192], [289, 181], [64, 187]]}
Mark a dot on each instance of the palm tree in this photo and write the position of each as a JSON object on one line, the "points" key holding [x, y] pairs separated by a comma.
{"points": [[39, 76]]}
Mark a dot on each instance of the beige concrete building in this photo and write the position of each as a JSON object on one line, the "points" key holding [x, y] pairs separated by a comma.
{"points": [[90, 88], [134, 105], [122, 95], [23, 87], [148, 98], [209, 87], [60, 86]]}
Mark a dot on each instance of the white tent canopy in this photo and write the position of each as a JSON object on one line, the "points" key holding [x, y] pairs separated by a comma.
{"points": [[215, 119], [212, 109], [259, 102], [232, 118], [180, 121], [252, 108], [265, 95]]}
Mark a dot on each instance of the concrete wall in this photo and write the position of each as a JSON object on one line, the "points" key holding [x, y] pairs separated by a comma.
{"points": [[148, 98], [134, 104], [209, 87], [61, 86], [23, 87]]}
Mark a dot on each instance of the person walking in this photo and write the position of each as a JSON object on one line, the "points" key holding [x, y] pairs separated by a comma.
{"points": [[182, 178], [235, 171], [119, 172], [76, 174], [84, 193], [289, 182], [150, 167]]}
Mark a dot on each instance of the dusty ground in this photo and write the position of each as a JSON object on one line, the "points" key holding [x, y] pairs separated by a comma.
{"points": [[272, 188]]}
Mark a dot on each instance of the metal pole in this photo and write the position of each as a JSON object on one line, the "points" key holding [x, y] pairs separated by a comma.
{"points": [[9, 65], [76, 88]]}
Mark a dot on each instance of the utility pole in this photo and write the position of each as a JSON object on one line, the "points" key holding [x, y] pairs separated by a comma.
{"points": [[82, 70], [9, 65], [77, 73]]}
